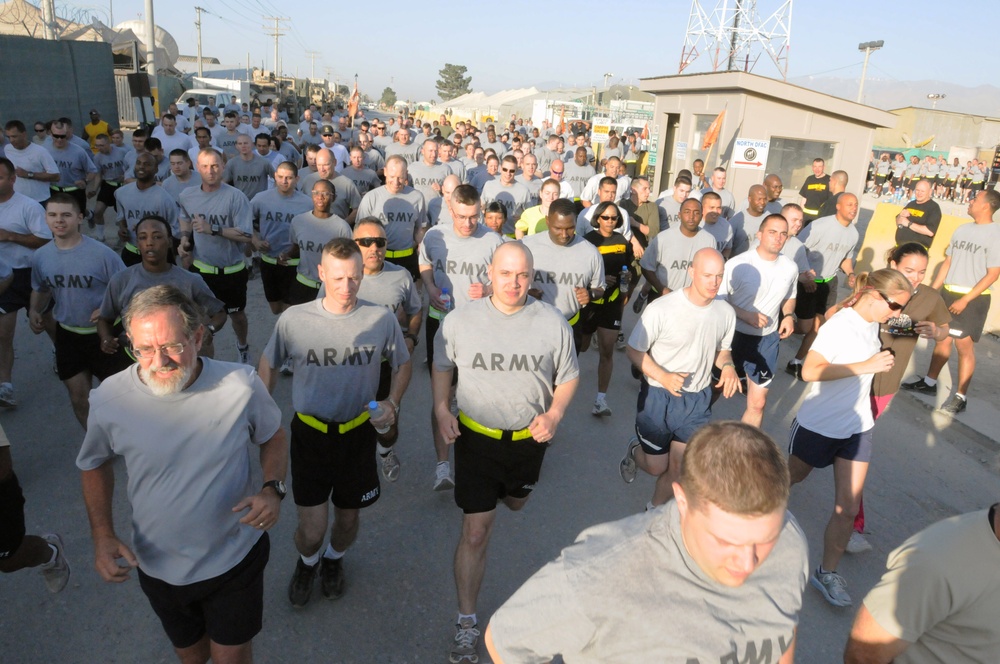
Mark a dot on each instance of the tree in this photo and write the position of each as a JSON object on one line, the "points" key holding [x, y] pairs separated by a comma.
{"points": [[343, 90], [388, 97], [453, 82]]}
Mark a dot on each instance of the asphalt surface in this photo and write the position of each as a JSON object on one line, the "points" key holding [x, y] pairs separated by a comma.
{"points": [[400, 601]]}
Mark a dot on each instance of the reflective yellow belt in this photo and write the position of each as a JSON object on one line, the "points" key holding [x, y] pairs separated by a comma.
{"points": [[113, 184], [825, 281], [962, 290], [274, 261], [131, 247], [810, 211], [614, 296], [434, 313], [324, 427], [306, 281], [63, 189], [78, 330], [520, 434], [576, 317], [402, 253], [205, 268]]}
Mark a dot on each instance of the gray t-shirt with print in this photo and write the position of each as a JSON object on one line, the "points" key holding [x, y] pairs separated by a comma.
{"points": [[77, 278], [561, 269], [401, 214]]}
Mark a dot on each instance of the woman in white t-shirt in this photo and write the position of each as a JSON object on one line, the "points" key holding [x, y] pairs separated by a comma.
{"points": [[834, 424]]}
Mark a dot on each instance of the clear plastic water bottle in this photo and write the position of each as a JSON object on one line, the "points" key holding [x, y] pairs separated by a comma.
{"points": [[446, 300], [375, 411], [623, 280]]}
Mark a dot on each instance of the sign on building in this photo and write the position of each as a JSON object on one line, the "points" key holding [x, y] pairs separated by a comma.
{"points": [[750, 154]]}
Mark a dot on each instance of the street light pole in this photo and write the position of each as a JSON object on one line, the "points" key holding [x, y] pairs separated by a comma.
{"points": [[867, 47], [935, 97]]}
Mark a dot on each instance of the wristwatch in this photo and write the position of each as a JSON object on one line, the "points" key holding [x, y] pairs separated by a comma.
{"points": [[278, 486], [412, 337], [31, 176], [216, 229]]}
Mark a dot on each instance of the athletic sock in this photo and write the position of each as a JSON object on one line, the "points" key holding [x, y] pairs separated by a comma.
{"points": [[820, 570], [310, 560], [650, 506], [601, 396], [471, 616], [51, 561], [332, 553], [382, 451], [931, 382], [960, 396], [795, 361]]}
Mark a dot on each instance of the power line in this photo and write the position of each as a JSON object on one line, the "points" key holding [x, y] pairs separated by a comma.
{"points": [[276, 32]]}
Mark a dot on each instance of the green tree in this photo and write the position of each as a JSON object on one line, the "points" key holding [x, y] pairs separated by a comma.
{"points": [[343, 90], [388, 97], [453, 82]]}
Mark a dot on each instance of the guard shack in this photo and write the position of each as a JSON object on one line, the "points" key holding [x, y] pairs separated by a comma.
{"points": [[769, 126]]}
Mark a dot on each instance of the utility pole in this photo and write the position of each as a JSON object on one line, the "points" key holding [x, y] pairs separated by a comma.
{"points": [[49, 19], [275, 32], [312, 56], [151, 57], [867, 47], [197, 24]]}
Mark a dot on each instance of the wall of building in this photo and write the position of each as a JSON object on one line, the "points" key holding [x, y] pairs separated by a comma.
{"points": [[43, 80], [756, 117], [945, 129]]}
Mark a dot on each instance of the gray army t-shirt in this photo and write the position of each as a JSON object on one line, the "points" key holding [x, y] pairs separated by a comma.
{"points": [[272, 216], [974, 248], [828, 243], [249, 176], [125, 284], [458, 262], [401, 214], [228, 208], [508, 365], [77, 278], [336, 357], [132, 204], [516, 198], [310, 234], [393, 288], [561, 269], [670, 254]]}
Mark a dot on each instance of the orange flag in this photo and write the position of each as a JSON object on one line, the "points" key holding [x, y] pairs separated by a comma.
{"points": [[645, 132], [712, 135], [354, 102], [562, 121]]}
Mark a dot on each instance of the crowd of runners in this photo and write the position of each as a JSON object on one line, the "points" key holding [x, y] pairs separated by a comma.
{"points": [[514, 248]]}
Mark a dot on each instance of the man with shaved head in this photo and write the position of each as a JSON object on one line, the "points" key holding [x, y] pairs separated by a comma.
{"points": [[838, 184], [676, 344], [774, 187], [746, 222], [439, 207], [499, 442]]}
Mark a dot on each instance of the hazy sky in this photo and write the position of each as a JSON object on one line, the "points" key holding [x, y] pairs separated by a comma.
{"points": [[518, 43]]}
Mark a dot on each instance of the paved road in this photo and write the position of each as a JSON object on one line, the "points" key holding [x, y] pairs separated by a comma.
{"points": [[400, 602]]}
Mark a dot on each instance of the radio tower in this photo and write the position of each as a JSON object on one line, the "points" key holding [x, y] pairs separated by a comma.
{"points": [[734, 35]]}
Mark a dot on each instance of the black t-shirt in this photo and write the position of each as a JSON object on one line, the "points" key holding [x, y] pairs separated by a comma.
{"points": [[830, 207], [925, 214], [816, 191], [616, 252]]}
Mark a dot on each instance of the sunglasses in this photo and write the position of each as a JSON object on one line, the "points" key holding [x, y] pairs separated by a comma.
{"points": [[613, 217], [58, 135], [379, 242], [555, 172], [39, 129], [894, 306], [509, 170]]}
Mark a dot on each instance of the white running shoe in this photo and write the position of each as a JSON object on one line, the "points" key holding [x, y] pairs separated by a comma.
{"points": [[442, 477]]}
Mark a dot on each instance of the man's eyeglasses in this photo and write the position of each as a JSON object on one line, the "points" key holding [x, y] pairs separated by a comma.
{"points": [[379, 242], [58, 135], [894, 306], [149, 352]]}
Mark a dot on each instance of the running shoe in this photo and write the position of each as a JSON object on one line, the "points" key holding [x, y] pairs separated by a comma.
{"points": [[640, 302], [921, 386], [858, 543], [331, 577], [442, 477], [91, 223], [620, 342], [390, 466], [56, 573], [286, 367], [954, 405], [244, 353], [794, 369], [463, 648], [601, 408], [301, 586], [833, 587], [627, 466], [7, 399]]}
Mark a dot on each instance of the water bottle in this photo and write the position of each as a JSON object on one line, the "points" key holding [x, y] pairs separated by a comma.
{"points": [[375, 411], [446, 300], [623, 280]]}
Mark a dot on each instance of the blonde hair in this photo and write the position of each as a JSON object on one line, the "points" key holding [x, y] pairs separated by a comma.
{"points": [[885, 281]]}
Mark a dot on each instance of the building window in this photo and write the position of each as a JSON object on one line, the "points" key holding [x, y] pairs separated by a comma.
{"points": [[701, 125], [791, 159]]}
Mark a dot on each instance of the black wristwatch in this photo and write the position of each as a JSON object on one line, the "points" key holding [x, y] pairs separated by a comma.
{"points": [[412, 337], [216, 229], [278, 486]]}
